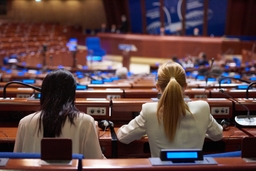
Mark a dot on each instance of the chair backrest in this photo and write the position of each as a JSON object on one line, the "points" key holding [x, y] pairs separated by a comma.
{"points": [[248, 147], [93, 43]]}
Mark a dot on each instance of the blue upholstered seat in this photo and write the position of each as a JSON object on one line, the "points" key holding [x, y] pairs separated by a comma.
{"points": [[94, 47]]}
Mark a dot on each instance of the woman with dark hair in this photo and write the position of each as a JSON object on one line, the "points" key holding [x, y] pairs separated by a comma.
{"points": [[59, 117], [172, 123]]}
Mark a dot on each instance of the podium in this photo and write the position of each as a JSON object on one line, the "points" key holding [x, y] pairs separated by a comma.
{"points": [[126, 48]]}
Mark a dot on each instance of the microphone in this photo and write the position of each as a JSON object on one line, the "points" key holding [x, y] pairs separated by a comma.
{"points": [[247, 89], [243, 120], [207, 75], [206, 78], [18, 82]]}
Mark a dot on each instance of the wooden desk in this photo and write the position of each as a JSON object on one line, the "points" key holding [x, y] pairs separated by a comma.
{"points": [[19, 92], [100, 93], [231, 141], [140, 148], [141, 93], [227, 164], [33, 164], [86, 105], [164, 46], [233, 93], [125, 109], [109, 86], [241, 110], [8, 135], [250, 131], [197, 93]]}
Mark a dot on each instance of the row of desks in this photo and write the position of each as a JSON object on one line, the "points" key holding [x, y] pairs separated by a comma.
{"points": [[136, 93], [232, 164], [112, 148], [125, 109]]}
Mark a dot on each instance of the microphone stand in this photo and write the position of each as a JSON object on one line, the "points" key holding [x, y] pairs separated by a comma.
{"points": [[18, 82], [243, 120], [247, 90]]}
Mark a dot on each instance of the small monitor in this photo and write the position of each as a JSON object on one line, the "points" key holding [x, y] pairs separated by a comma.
{"points": [[253, 78], [211, 79], [248, 147], [226, 81], [97, 81], [181, 155], [29, 81], [37, 95], [200, 77], [72, 44], [81, 87], [242, 87], [56, 149]]}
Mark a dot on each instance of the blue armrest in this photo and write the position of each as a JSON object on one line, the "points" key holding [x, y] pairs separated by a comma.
{"points": [[226, 154], [20, 155]]}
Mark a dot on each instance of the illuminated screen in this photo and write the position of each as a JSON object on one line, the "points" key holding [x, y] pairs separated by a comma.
{"points": [[200, 77], [211, 79], [182, 155], [242, 87], [253, 78], [72, 44], [37, 95], [28, 81], [96, 82], [81, 87]]}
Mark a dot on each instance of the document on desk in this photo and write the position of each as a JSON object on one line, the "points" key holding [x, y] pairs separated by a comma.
{"points": [[55, 162], [3, 161]]}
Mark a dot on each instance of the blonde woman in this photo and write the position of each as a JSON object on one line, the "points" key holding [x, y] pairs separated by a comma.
{"points": [[172, 123]]}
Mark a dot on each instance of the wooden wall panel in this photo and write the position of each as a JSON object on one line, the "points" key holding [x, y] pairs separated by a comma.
{"points": [[87, 13]]}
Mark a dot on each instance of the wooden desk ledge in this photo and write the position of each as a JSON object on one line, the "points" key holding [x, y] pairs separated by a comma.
{"points": [[234, 164]]}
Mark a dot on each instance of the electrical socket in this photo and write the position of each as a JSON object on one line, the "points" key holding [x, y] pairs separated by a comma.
{"points": [[113, 97], [200, 96], [96, 111], [23, 95], [220, 110]]}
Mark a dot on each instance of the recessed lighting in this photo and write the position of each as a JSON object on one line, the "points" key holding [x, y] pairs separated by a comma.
{"points": [[37, 0]]}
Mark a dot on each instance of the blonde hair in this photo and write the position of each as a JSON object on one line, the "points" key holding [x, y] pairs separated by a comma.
{"points": [[171, 105]]}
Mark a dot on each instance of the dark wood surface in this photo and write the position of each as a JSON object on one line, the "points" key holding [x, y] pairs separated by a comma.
{"points": [[167, 46], [144, 164]]}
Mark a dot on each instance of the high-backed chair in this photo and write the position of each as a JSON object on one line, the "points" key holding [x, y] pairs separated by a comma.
{"points": [[94, 48]]}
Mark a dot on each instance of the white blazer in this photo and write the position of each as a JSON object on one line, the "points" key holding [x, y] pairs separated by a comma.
{"points": [[189, 135], [83, 134]]}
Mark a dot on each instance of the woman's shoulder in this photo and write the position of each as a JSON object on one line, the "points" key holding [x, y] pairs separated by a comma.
{"points": [[149, 107], [32, 116], [150, 104], [198, 102], [85, 117]]}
